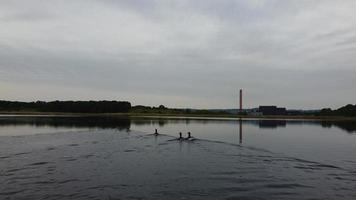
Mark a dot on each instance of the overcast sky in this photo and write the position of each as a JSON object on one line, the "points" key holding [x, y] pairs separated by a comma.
{"points": [[183, 53]]}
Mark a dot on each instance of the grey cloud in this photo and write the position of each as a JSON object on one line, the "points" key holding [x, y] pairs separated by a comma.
{"points": [[182, 53]]}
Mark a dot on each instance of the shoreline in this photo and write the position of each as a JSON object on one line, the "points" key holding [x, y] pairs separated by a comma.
{"points": [[158, 115]]}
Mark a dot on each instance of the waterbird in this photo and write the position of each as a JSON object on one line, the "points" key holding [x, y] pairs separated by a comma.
{"points": [[180, 136], [189, 135], [156, 132], [189, 138]]}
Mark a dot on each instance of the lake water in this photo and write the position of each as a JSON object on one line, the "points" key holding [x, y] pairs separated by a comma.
{"points": [[119, 158]]}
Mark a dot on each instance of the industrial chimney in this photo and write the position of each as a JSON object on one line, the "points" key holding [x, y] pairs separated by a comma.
{"points": [[240, 101]]}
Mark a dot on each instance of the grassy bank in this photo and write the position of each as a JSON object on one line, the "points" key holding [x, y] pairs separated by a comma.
{"points": [[134, 114]]}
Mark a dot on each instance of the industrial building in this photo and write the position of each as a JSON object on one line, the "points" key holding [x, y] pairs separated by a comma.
{"points": [[272, 110], [262, 110]]}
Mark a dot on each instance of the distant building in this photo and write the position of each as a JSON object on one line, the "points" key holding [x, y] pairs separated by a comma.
{"points": [[272, 110]]}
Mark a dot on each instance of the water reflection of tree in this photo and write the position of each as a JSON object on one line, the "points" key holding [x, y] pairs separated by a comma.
{"points": [[125, 122], [69, 122], [348, 126]]}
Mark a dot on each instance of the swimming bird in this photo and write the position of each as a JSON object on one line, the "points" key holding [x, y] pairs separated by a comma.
{"points": [[180, 136], [156, 132], [189, 138]]}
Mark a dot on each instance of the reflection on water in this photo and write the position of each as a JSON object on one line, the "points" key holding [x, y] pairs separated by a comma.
{"points": [[240, 131], [123, 123], [69, 122], [348, 126], [323, 141], [230, 159], [272, 123]]}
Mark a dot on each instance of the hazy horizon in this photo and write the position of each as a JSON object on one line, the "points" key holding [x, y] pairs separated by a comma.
{"points": [[298, 54]]}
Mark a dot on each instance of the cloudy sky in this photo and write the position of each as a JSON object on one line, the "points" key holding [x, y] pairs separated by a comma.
{"points": [[183, 53]]}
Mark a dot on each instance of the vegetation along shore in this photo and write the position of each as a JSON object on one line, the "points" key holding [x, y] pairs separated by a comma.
{"points": [[120, 108]]}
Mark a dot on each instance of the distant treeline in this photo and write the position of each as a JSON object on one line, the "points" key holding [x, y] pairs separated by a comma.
{"points": [[125, 107], [164, 110], [68, 106], [347, 111]]}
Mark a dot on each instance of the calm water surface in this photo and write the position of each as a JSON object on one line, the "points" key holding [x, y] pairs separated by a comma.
{"points": [[119, 158]]}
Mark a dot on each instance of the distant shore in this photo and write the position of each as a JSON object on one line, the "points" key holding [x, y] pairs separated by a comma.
{"points": [[222, 116]]}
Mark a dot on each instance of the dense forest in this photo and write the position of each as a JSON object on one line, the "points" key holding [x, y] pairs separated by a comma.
{"points": [[68, 106], [347, 111]]}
